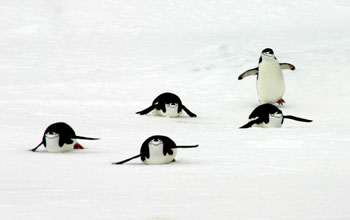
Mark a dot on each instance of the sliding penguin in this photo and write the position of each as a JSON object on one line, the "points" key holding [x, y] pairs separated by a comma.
{"points": [[60, 137], [270, 82], [269, 116], [157, 149], [168, 105]]}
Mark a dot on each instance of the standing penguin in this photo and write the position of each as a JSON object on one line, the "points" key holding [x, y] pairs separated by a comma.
{"points": [[157, 149], [269, 116], [270, 82], [168, 105], [60, 137]]}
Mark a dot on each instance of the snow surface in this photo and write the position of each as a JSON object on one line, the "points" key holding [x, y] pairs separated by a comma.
{"points": [[93, 64]]}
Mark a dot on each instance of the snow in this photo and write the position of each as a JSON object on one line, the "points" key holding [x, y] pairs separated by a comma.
{"points": [[93, 64]]}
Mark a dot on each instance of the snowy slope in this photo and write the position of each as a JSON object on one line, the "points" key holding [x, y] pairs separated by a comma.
{"points": [[93, 64]]}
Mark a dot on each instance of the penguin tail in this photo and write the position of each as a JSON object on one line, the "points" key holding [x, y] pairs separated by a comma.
{"points": [[146, 111], [34, 149], [124, 161], [296, 118], [85, 138], [186, 146], [191, 114]]}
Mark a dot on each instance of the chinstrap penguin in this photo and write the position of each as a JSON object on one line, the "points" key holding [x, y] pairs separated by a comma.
{"points": [[60, 137], [269, 116], [157, 149], [270, 82], [168, 105]]}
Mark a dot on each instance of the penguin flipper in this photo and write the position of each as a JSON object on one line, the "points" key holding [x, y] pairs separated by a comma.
{"points": [[147, 110], [248, 73], [85, 138], [249, 124], [191, 114], [124, 161], [296, 118], [187, 146], [34, 149], [287, 66]]}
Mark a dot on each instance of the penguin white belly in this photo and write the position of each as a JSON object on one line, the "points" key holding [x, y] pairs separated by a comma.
{"points": [[171, 112], [52, 145], [270, 83], [157, 156], [274, 122]]}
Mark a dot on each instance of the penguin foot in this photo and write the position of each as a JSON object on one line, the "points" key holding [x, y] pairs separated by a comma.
{"points": [[281, 101], [77, 146]]}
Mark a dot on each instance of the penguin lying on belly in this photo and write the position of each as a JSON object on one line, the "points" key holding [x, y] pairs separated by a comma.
{"points": [[270, 82], [60, 137], [167, 105], [269, 116], [157, 149]]}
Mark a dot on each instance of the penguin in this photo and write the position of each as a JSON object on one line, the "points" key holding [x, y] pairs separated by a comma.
{"points": [[157, 149], [60, 137], [167, 105], [269, 116], [270, 82]]}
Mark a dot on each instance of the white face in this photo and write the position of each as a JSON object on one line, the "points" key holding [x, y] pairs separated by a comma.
{"points": [[172, 105], [156, 143], [171, 110], [275, 120], [276, 115], [267, 56], [51, 135]]}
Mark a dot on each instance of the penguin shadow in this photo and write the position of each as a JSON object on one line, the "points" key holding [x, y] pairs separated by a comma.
{"points": [[180, 162]]}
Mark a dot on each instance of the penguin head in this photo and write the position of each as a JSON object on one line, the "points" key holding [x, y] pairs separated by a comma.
{"points": [[156, 142], [172, 105], [267, 54], [51, 135], [277, 114]]}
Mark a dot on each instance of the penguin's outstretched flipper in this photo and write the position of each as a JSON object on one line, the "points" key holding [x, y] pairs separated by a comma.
{"points": [[287, 66], [296, 118], [124, 161], [250, 72], [35, 148], [147, 110], [191, 114], [249, 124], [85, 138], [189, 146]]}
